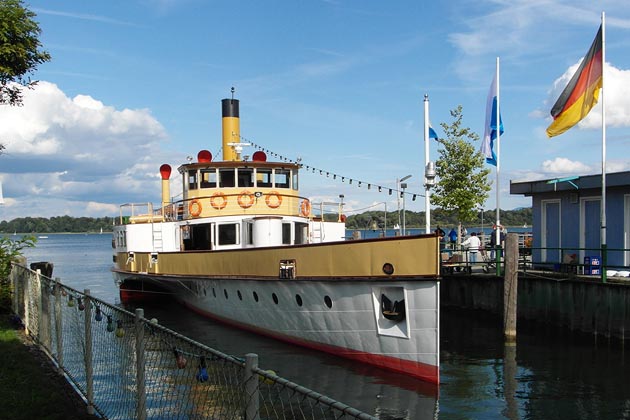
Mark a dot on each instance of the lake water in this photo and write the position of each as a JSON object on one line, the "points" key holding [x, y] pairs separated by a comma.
{"points": [[547, 375]]}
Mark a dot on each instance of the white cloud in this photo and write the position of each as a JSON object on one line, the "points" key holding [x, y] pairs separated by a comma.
{"points": [[562, 165], [73, 155]]}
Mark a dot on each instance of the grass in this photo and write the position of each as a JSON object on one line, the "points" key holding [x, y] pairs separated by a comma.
{"points": [[30, 388]]}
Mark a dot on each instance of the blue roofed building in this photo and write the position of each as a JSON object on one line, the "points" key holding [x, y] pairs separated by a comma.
{"points": [[567, 219]]}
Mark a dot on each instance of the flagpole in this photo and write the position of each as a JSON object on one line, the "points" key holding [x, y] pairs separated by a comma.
{"points": [[603, 206], [427, 201], [498, 167]]}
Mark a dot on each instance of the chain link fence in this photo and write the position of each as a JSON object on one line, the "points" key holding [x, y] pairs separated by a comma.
{"points": [[128, 367]]}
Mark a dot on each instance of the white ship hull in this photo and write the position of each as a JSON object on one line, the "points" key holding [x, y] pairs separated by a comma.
{"points": [[353, 326]]}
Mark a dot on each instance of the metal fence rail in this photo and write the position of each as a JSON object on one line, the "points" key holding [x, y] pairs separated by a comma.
{"points": [[128, 367]]}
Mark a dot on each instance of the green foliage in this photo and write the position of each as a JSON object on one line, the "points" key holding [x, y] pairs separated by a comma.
{"points": [[10, 250], [462, 181], [19, 50], [444, 218], [59, 224]]}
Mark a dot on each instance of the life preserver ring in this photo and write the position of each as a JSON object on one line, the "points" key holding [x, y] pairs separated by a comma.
{"points": [[194, 208], [246, 199], [276, 196], [220, 205], [305, 208]]}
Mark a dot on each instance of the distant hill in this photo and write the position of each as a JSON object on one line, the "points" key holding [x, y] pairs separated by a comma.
{"points": [[61, 224], [366, 220]]}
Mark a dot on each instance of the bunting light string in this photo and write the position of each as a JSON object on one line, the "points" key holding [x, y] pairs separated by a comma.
{"points": [[328, 174]]}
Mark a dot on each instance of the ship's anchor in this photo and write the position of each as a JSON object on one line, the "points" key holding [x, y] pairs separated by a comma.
{"points": [[393, 311]]}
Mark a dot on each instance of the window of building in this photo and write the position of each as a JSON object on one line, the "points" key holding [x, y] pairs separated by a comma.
{"points": [[208, 178], [249, 229], [226, 178], [282, 178]]}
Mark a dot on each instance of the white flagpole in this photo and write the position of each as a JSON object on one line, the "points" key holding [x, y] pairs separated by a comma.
{"points": [[427, 201], [498, 171], [603, 205]]}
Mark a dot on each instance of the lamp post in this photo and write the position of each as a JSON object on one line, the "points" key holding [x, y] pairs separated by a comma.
{"points": [[403, 186]]}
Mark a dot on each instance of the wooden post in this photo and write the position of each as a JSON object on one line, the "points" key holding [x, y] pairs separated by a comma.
{"points": [[510, 287]]}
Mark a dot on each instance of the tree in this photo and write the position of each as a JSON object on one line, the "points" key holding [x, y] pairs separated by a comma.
{"points": [[10, 251], [19, 51], [462, 181]]}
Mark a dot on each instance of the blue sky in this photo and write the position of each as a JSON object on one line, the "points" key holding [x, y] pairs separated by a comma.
{"points": [[133, 84]]}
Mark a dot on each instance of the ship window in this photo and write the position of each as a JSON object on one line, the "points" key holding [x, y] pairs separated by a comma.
{"points": [[275, 298], [208, 178], [263, 178], [240, 296], [225, 293], [328, 301], [226, 178], [298, 299], [286, 233], [249, 226], [192, 180], [301, 233], [281, 178], [295, 180], [228, 234], [214, 292], [245, 178], [255, 296]]}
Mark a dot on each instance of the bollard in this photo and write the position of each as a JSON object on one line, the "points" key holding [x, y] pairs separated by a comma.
{"points": [[510, 287], [141, 408], [89, 374], [251, 387]]}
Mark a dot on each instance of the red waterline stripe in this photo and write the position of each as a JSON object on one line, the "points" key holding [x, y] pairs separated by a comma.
{"points": [[419, 370]]}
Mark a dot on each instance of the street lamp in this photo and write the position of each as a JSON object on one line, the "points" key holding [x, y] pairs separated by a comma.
{"points": [[429, 176], [403, 186]]}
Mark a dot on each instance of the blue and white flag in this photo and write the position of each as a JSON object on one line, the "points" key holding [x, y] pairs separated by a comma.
{"points": [[432, 133], [487, 146]]}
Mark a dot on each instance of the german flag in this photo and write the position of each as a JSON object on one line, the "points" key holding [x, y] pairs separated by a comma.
{"points": [[582, 92]]}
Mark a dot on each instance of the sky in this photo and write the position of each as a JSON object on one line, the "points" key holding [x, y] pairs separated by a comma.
{"points": [[340, 84]]}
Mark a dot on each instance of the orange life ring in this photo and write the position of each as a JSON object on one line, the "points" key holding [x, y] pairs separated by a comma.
{"points": [[194, 208], [221, 205], [278, 198], [245, 199], [305, 208]]}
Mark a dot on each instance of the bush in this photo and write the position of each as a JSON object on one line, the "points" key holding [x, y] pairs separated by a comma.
{"points": [[10, 251]]}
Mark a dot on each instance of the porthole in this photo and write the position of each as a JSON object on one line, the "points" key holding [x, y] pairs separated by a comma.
{"points": [[225, 293], [214, 293], [298, 299], [328, 301], [275, 298], [240, 297], [388, 269], [256, 296]]}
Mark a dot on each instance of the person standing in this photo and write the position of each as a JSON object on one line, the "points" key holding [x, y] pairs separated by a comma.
{"points": [[472, 245]]}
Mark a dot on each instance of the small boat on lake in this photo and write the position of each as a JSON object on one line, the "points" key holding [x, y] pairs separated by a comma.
{"points": [[243, 247]]}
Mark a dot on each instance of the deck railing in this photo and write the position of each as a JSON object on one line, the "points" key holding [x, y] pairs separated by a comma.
{"points": [[128, 367]]}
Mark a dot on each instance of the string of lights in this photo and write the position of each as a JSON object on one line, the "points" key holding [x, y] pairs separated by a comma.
{"points": [[328, 174]]}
